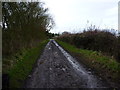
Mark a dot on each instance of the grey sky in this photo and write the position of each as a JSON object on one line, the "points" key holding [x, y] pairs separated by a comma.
{"points": [[72, 15]]}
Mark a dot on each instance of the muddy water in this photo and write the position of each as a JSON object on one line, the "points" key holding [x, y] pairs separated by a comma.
{"points": [[91, 80]]}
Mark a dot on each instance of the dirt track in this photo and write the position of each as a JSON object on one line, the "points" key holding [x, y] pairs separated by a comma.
{"points": [[57, 69]]}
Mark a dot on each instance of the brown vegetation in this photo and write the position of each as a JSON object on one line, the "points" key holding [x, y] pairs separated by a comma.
{"points": [[102, 41]]}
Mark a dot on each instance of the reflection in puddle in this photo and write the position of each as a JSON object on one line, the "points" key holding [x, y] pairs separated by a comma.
{"points": [[87, 76]]}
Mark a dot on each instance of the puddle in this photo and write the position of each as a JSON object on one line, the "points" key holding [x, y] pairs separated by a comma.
{"points": [[87, 75]]}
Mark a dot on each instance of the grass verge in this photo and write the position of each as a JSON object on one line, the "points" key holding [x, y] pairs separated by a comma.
{"points": [[19, 66], [105, 66]]}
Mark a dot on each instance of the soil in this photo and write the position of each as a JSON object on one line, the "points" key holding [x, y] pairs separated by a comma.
{"points": [[58, 69]]}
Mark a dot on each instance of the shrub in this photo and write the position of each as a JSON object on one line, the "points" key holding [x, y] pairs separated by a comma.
{"points": [[96, 40]]}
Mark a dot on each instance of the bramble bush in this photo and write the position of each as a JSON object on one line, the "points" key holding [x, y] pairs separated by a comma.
{"points": [[102, 41]]}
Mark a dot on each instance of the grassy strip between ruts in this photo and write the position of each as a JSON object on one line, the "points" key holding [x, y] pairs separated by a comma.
{"points": [[26, 59], [105, 66]]}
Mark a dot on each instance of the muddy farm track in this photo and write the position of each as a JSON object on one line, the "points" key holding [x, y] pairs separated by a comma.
{"points": [[58, 69]]}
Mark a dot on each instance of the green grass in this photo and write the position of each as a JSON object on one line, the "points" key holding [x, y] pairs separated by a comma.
{"points": [[23, 64], [96, 60], [94, 55]]}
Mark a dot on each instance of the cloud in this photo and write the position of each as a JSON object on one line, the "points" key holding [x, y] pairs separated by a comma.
{"points": [[112, 11], [75, 13]]}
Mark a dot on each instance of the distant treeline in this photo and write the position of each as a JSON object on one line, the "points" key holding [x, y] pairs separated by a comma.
{"points": [[24, 24], [102, 41]]}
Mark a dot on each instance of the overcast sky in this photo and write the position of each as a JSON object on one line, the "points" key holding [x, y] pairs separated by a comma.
{"points": [[73, 15]]}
